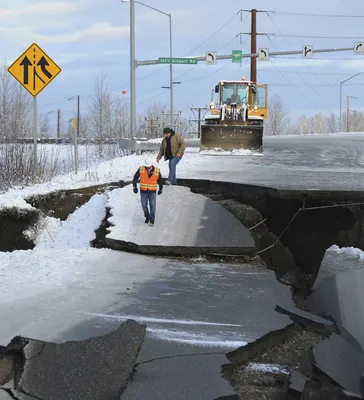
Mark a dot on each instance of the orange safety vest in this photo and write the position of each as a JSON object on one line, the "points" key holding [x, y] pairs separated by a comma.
{"points": [[147, 183]]}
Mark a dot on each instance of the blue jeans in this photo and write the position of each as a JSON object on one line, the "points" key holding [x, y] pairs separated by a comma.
{"points": [[146, 196], [172, 169]]}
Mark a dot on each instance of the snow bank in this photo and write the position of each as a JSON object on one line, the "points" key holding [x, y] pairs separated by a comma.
{"points": [[62, 253], [348, 252], [78, 230]]}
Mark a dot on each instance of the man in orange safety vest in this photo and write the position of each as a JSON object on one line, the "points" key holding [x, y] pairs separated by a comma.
{"points": [[150, 177]]}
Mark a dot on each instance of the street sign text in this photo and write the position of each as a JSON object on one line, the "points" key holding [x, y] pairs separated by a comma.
{"points": [[177, 60]]}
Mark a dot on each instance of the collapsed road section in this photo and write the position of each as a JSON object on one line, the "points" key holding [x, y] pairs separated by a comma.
{"points": [[286, 240], [187, 224]]}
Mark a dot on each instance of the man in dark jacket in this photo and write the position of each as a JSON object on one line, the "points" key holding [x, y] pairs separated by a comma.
{"points": [[172, 148], [149, 177]]}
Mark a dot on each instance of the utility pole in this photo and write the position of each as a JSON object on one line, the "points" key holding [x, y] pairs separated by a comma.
{"points": [[198, 120], [253, 43], [348, 111], [59, 126], [177, 120], [253, 60], [154, 123]]}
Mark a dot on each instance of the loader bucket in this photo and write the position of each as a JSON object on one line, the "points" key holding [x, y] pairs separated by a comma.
{"points": [[228, 137]]}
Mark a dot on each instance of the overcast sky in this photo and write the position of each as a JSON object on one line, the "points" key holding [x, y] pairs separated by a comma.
{"points": [[86, 37]]}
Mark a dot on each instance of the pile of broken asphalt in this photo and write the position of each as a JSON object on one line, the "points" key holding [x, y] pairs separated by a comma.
{"points": [[318, 356]]}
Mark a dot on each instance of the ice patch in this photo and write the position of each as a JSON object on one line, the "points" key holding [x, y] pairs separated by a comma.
{"points": [[269, 368]]}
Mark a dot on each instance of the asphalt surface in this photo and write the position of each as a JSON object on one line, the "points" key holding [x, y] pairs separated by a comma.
{"points": [[186, 224], [312, 162], [196, 312]]}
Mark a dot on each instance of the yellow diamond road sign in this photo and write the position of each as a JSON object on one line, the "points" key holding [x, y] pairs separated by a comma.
{"points": [[34, 69]]}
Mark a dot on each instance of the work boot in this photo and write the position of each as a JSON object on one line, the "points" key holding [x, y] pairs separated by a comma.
{"points": [[151, 223], [168, 182], [146, 220]]}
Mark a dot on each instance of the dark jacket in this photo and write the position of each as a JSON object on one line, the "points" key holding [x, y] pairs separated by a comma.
{"points": [[178, 145], [137, 177]]}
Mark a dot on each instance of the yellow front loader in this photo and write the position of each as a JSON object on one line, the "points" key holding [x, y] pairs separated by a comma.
{"points": [[235, 120]]}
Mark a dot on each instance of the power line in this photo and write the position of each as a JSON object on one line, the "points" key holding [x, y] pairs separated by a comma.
{"points": [[315, 14], [310, 73], [316, 37], [215, 33], [315, 91], [289, 44]]}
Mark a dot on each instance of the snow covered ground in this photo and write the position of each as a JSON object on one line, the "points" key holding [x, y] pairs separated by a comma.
{"points": [[53, 287]]}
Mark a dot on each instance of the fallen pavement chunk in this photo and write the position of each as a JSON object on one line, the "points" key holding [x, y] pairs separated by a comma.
{"points": [[336, 358], [306, 318], [296, 382], [341, 296], [97, 368]]}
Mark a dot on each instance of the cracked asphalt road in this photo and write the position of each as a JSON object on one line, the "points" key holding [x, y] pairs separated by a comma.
{"points": [[195, 315]]}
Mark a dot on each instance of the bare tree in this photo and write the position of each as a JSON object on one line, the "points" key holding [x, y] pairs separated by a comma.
{"points": [[100, 111], [152, 122], [278, 122], [318, 123], [304, 125], [332, 123], [14, 107], [119, 119]]}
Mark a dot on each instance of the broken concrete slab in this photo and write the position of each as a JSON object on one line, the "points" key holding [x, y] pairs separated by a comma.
{"points": [[306, 318], [340, 361], [336, 261], [296, 382], [5, 395], [186, 224], [341, 297], [196, 376], [97, 368]]}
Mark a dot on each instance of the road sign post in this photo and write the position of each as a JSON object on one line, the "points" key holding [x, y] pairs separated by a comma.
{"points": [[211, 58], [237, 56], [307, 51], [34, 70], [359, 48], [263, 54]]}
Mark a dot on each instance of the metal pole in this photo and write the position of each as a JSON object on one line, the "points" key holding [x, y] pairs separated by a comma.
{"points": [[75, 126], [59, 126], [35, 128], [348, 113], [78, 116], [341, 105], [132, 71], [171, 68], [253, 60]]}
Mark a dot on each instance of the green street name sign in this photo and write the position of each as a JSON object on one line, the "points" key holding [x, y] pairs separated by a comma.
{"points": [[237, 56], [176, 60]]}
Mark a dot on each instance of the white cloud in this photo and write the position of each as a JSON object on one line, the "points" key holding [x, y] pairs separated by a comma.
{"points": [[101, 30], [354, 64], [48, 8]]}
